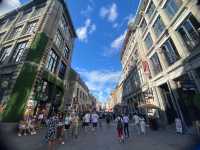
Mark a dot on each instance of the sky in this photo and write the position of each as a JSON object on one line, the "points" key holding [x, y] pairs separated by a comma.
{"points": [[101, 27]]}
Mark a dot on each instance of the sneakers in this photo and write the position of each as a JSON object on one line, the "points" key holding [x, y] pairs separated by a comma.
{"points": [[62, 142], [19, 134]]}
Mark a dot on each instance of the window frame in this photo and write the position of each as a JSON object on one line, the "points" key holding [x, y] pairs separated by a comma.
{"points": [[19, 51], [52, 61], [7, 50]]}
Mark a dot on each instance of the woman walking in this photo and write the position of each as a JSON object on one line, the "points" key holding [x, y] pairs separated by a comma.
{"points": [[120, 128], [51, 131]]}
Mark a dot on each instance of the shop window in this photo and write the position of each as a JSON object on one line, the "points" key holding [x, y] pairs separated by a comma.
{"points": [[170, 52], [156, 66], [58, 39], [66, 52], [15, 32], [172, 6], [158, 26], [5, 53], [52, 61], [62, 71], [148, 41], [189, 31], [31, 27], [151, 9], [19, 51]]}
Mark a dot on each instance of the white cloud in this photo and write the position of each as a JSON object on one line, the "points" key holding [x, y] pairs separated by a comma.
{"points": [[100, 82], [110, 13], [8, 5], [83, 31], [87, 11]]}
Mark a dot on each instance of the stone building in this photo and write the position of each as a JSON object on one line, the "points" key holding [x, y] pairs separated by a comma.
{"points": [[161, 60], [36, 45], [78, 97]]}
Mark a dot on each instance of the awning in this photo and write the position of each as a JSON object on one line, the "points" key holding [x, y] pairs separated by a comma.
{"points": [[150, 106]]}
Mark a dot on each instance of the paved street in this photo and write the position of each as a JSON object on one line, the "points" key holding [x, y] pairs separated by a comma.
{"points": [[105, 139]]}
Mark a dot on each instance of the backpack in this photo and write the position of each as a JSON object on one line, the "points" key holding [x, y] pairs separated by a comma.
{"points": [[119, 124]]}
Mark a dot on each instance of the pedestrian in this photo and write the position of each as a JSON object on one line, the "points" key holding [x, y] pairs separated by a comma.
{"points": [[22, 128], [95, 118], [119, 121], [74, 125], [179, 128], [100, 120], [87, 121], [108, 118], [137, 123], [60, 128], [67, 121], [142, 125], [51, 123], [126, 125]]}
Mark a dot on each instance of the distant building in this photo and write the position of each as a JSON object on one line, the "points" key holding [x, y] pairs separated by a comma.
{"points": [[36, 45], [160, 61]]}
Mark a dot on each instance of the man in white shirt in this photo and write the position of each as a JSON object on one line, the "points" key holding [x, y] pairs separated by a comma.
{"points": [[95, 118], [86, 121], [136, 119], [126, 127]]}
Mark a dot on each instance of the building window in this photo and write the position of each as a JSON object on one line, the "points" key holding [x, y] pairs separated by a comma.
{"points": [[58, 39], [156, 66], [172, 6], [19, 51], [148, 41], [66, 52], [151, 9], [143, 25], [10, 20], [39, 10], [1, 36], [16, 32], [63, 25], [62, 70], [31, 27], [158, 26], [4, 53], [2, 23], [25, 15], [170, 52], [52, 61], [189, 32]]}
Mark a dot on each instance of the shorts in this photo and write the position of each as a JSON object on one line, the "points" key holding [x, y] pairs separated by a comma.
{"points": [[94, 125]]}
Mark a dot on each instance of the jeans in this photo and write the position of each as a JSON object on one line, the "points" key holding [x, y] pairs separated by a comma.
{"points": [[126, 130]]}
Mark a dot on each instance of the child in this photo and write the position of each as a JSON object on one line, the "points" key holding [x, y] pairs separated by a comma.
{"points": [[22, 128], [120, 128], [179, 129]]}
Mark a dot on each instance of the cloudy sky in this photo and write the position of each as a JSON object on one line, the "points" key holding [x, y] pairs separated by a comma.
{"points": [[101, 27]]}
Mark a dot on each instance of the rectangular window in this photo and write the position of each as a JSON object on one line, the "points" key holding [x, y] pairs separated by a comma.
{"points": [[62, 70], [170, 52], [19, 51], [158, 26], [189, 32], [151, 9], [58, 39], [156, 64], [148, 41], [52, 61], [10, 20], [31, 27], [143, 25], [172, 6], [66, 52], [4, 53], [16, 32], [1, 36], [39, 10], [25, 15]]}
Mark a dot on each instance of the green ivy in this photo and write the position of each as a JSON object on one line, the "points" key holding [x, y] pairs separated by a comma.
{"points": [[19, 96], [50, 77], [37, 48]]}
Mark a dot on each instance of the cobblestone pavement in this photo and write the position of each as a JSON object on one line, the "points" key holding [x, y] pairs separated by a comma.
{"points": [[105, 139]]}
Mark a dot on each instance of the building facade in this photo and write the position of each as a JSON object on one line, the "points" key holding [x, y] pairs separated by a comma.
{"points": [[78, 97], [36, 45], [161, 60]]}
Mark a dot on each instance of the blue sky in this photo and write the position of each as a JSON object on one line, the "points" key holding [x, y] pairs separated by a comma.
{"points": [[101, 26]]}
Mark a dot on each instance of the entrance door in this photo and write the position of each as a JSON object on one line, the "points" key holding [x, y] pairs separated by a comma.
{"points": [[170, 111]]}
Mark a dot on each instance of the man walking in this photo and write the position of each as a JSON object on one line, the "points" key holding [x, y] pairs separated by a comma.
{"points": [[95, 118], [126, 126]]}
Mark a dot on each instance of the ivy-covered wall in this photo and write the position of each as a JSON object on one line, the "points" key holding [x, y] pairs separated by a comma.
{"points": [[18, 98], [22, 89]]}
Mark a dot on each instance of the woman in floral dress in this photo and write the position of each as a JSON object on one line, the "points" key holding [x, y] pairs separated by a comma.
{"points": [[52, 123]]}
